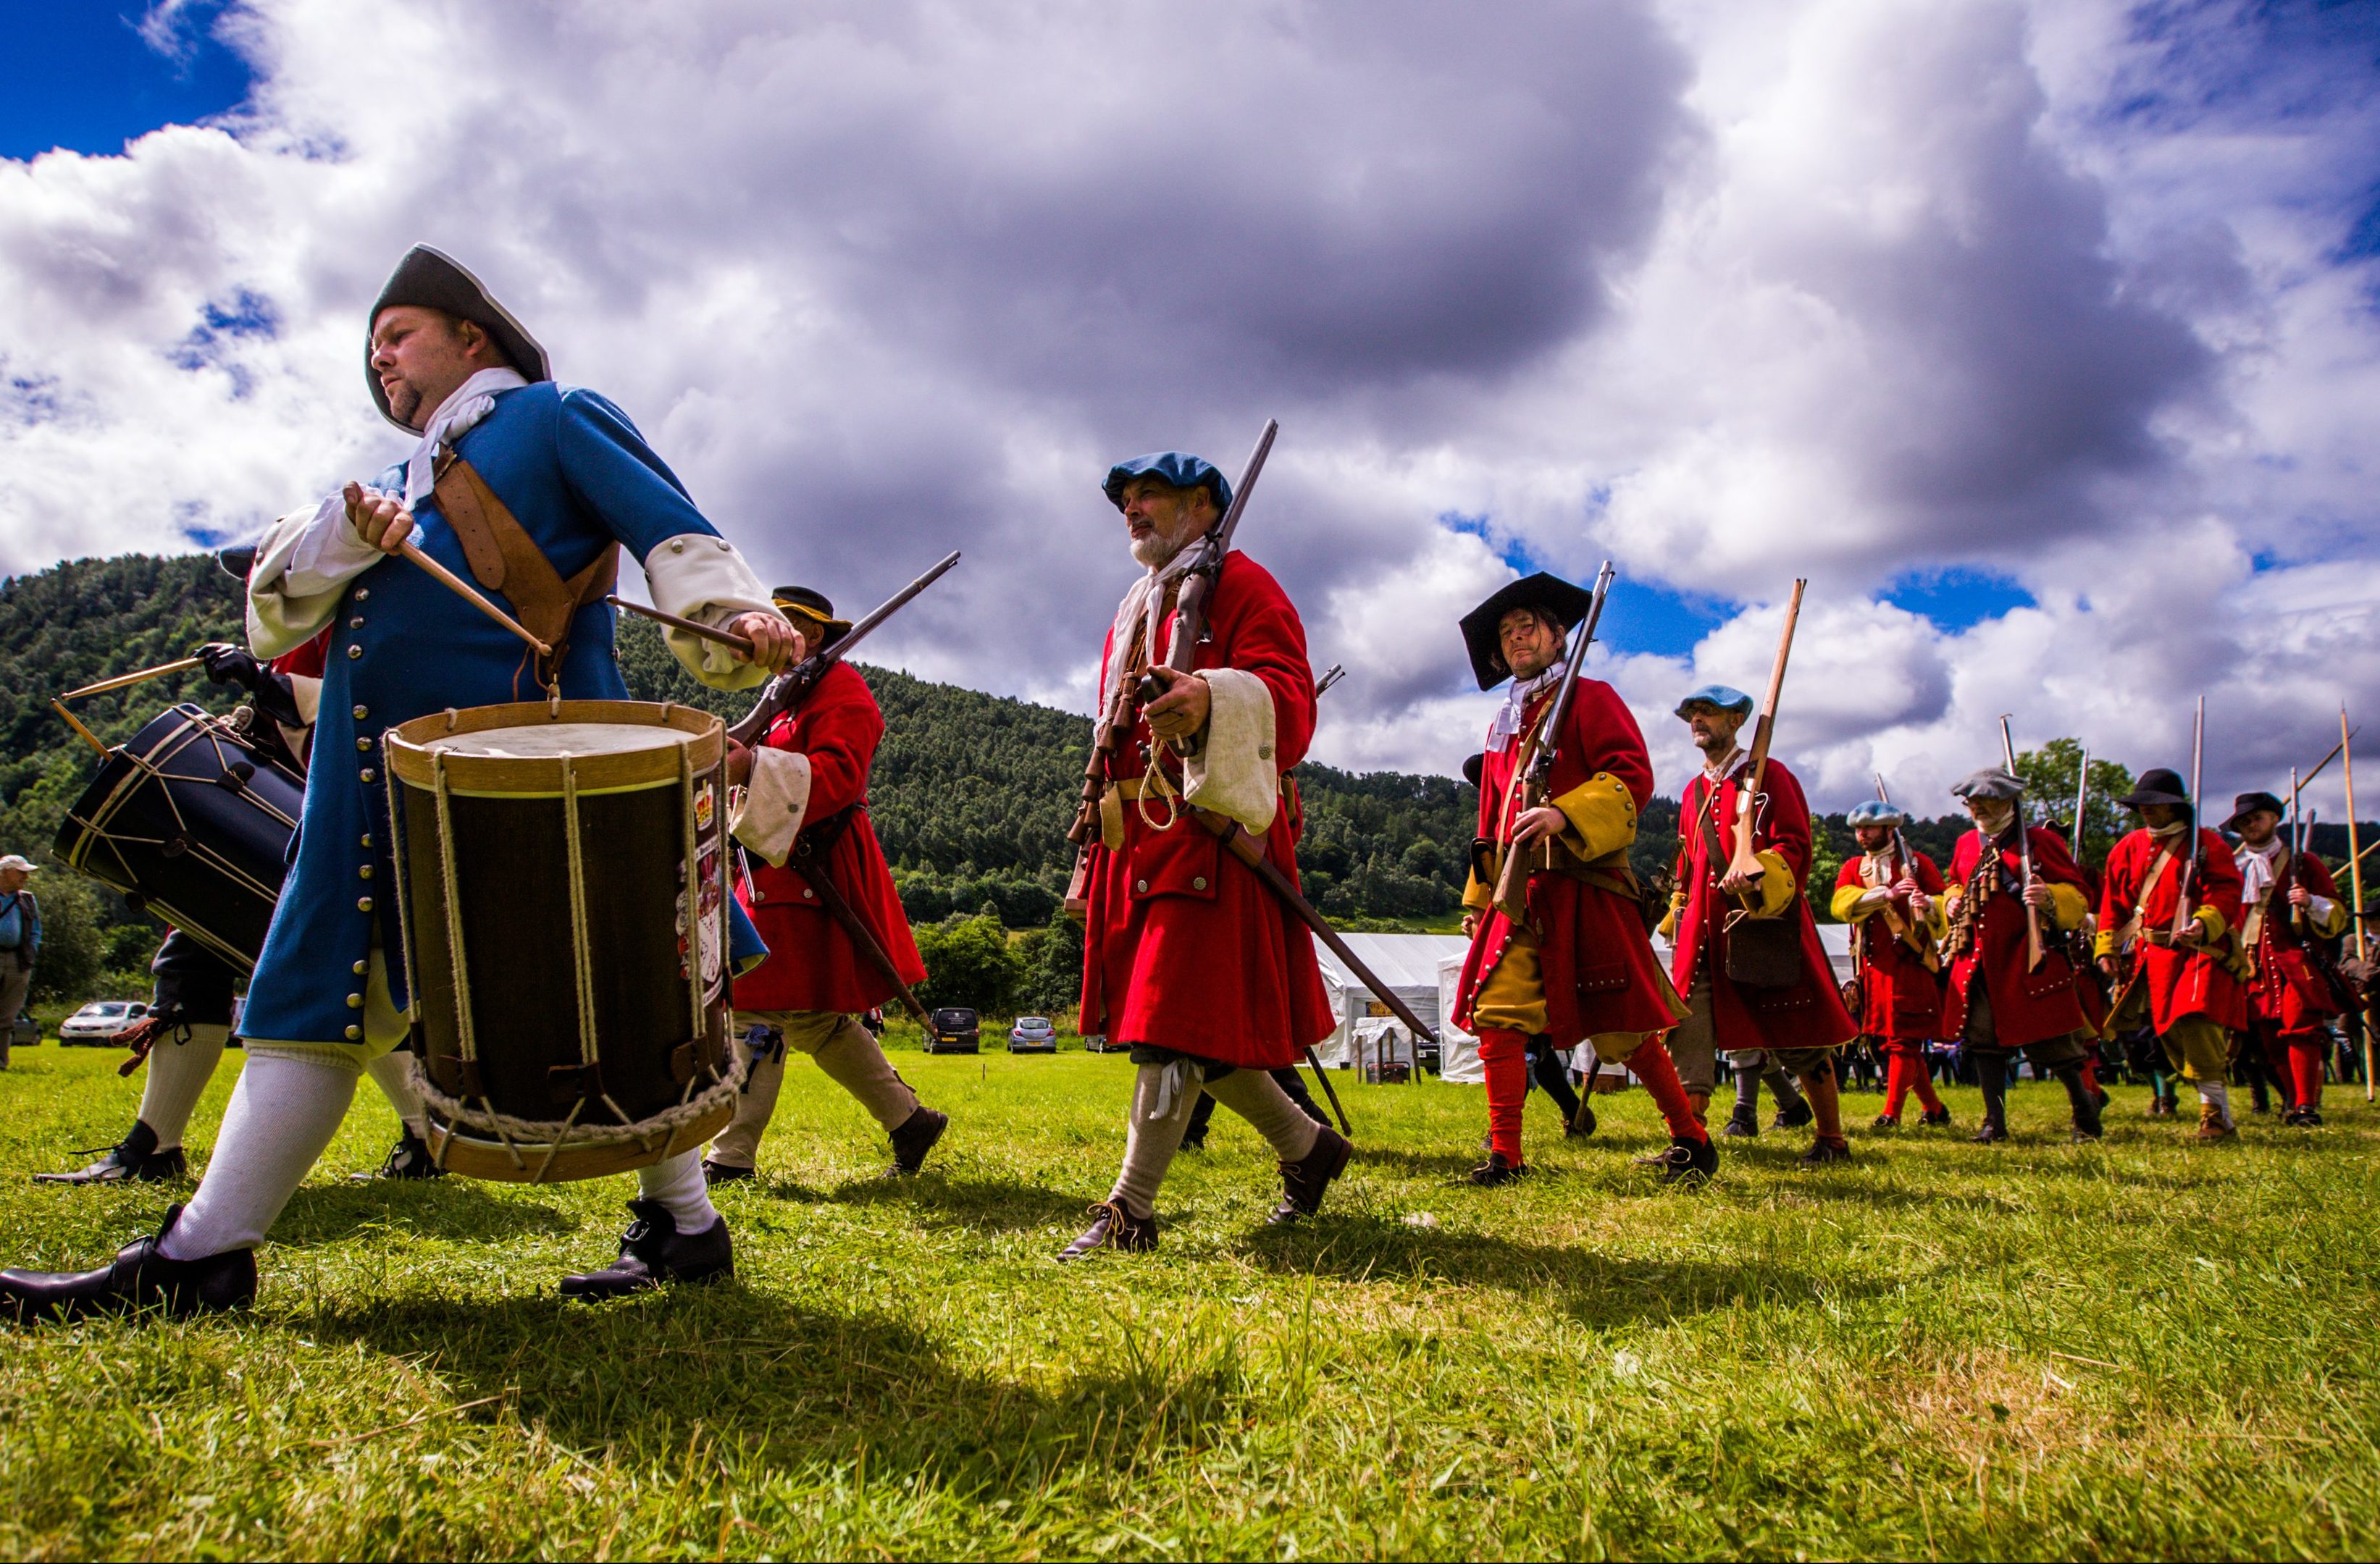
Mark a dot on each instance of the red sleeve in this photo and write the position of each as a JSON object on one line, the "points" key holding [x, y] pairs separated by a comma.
{"points": [[2218, 884], [1784, 826], [2115, 893], [1268, 639], [1929, 878], [1850, 876], [1689, 811], [1606, 738], [837, 727], [2315, 874], [306, 661], [2053, 863], [1965, 856]]}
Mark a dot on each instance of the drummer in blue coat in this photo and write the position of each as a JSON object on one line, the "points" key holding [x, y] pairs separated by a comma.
{"points": [[447, 363]]}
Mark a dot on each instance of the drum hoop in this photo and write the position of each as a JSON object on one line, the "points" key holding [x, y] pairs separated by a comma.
{"points": [[412, 761]]}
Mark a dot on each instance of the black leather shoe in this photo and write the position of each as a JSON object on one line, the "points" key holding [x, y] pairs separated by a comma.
{"points": [[916, 1137], [654, 1253], [2087, 1126], [1691, 1163], [408, 1158], [139, 1277], [1886, 1121], [133, 1159], [1823, 1151], [1793, 1117], [717, 1173], [1497, 1170], [1937, 1119], [1302, 1182], [2309, 1118], [1112, 1227], [1991, 1131], [1742, 1124], [1583, 1125]]}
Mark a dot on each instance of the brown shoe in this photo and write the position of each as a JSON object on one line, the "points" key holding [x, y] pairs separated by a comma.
{"points": [[1112, 1227], [1302, 1182], [2211, 1126]]}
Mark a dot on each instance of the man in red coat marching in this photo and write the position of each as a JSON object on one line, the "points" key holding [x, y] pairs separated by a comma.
{"points": [[2170, 901], [1578, 966], [2001, 1003], [2289, 902], [1802, 1021], [1188, 958], [806, 792], [1892, 896]]}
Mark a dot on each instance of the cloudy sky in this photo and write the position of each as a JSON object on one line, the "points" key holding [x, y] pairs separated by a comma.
{"points": [[2043, 340]]}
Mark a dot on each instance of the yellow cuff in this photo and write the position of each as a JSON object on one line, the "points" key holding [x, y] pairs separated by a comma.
{"points": [[1669, 926], [2066, 906], [1777, 886], [1846, 904], [2104, 942], [1602, 816], [1476, 897], [2214, 923]]}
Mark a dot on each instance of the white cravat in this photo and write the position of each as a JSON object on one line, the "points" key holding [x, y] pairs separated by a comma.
{"points": [[2257, 870], [1506, 724], [1138, 599]]}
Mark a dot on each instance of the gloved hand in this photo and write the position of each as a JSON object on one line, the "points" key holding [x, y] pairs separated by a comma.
{"points": [[229, 664]]}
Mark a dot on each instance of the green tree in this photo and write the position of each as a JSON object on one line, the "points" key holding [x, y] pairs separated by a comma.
{"points": [[74, 940], [2049, 775], [968, 963]]}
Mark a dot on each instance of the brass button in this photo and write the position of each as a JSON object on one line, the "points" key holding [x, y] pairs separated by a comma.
{"points": [[808, 894], [355, 1033], [360, 968], [362, 593], [355, 651], [365, 773], [355, 1001], [363, 746], [357, 623], [363, 903], [361, 713], [1140, 885], [1199, 883], [677, 546], [364, 873], [367, 839]]}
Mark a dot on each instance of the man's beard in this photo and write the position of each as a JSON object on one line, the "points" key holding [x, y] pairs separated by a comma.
{"points": [[405, 404], [1994, 824], [1154, 551], [1715, 745]]}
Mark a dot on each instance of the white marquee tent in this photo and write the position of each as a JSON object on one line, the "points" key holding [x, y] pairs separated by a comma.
{"points": [[1409, 964]]}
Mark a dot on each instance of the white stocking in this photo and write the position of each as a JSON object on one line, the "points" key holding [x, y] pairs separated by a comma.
{"points": [[179, 1074], [392, 1074], [283, 1115], [677, 1183]]}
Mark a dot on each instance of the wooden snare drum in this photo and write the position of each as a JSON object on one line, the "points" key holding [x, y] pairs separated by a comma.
{"points": [[564, 897]]}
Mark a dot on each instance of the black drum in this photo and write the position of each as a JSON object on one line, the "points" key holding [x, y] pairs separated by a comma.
{"points": [[191, 823], [565, 901]]}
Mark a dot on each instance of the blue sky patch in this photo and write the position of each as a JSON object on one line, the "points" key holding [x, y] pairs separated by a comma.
{"points": [[1649, 619], [1955, 597], [76, 74]]}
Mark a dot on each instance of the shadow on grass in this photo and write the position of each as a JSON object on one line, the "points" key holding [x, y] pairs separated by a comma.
{"points": [[451, 1208], [1590, 1287], [978, 1203]]}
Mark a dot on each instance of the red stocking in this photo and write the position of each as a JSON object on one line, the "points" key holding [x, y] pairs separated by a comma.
{"points": [[1505, 1056], [2305, 1067], [1896, 1083], [1651, 1064], [1921, 1076]]}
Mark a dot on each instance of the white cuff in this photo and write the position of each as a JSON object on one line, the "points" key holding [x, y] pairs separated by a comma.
{"points": [[303, 566], [774, 802], [1233, 772], [1877, 897], [2319, 910], [701, 577]]}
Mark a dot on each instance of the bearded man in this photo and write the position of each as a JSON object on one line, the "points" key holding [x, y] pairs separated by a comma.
{"points": [[1999, 1003], [2291, 901], [2171, 899], [1892, 896], [1799, 1023], [1188, 958], [1577, 965], [559, 474]]}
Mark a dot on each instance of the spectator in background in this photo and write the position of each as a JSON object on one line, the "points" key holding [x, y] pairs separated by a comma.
{"points": [[20, 936]]}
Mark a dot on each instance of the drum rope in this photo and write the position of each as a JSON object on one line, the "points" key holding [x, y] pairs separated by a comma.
{"points": [[693, 896], [401, 888], [464, 1032], [581, 948], [534, 1133]]}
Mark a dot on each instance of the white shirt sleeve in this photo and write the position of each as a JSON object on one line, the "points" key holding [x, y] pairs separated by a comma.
{"points": [[302, 566]]}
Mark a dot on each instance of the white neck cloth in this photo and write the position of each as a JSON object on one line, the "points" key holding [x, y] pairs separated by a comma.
{"points": [[1138, 599], [470, 402], [1506, 724]]}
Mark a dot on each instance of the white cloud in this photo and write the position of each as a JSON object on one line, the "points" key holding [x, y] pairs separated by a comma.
{"points": [[1841, 288]]}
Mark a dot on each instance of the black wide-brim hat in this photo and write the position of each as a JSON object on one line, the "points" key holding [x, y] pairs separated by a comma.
{"points": [[2156, 785], [812, 604], [1472, 767], [239, 560], [2247, 804], [429, 279], [1549, 592]]}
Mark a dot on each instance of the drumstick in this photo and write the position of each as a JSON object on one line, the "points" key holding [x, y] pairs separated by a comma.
{"points": [[87, 736], [180, 665], [462, 589], [724, 637]]}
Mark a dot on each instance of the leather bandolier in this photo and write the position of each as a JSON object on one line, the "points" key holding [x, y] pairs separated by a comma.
{"points": [[505, 558]]}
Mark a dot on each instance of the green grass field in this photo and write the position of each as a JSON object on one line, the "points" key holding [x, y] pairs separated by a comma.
{"points": [[2141, 1348]]}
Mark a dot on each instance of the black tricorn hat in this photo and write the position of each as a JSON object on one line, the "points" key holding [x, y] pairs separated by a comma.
{"points": [[814, 604], [1472, 766], [239, 560], [1555, 596], [2247, 804], [430, 279], [2156, 785]]}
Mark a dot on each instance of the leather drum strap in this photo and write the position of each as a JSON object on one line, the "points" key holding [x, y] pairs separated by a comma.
{"points": [[503, 558]]}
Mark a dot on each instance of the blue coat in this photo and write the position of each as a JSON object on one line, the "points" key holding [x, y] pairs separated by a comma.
{"points": [[577, 476]]}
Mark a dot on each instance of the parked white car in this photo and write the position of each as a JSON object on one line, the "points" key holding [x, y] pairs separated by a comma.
{"points": [[102, 1021], [1032, 1034]]}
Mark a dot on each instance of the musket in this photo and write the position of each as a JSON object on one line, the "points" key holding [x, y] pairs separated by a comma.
{"points": [[1915, 935], [2197, 772], [2355, 883], [1532, 778], [790, 688], [808, 860], [1744, 863], [1322, 686], [2081, 798], [2297, 846], [2024, 854]]}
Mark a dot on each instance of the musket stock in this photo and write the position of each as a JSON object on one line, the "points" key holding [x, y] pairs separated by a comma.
{"points": [[2024, 854], [1744, 863], [1532, 778]]}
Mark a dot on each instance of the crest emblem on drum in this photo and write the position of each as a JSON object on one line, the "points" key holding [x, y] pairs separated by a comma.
{"points": [[703, 807]]}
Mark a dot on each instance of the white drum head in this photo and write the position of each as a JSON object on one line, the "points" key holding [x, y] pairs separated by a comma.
{"points": [[549, 741]]}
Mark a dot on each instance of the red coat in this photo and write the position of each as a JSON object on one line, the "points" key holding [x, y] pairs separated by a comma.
{"points": [[1183, 947], [1900, 997], [2027, 1006], [2287, 989], [813, 964], [1808, 1015], [1600, 972], [2180, 982]]}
